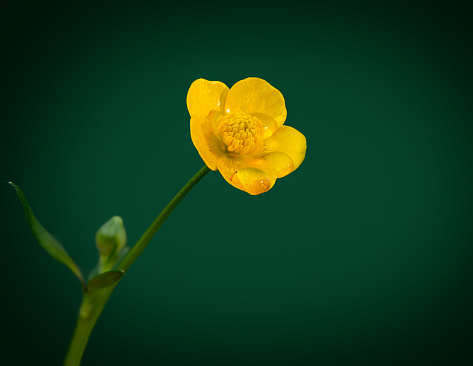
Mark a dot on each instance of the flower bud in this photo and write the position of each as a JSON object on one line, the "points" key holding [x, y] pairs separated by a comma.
{"points": [[111, 238]]}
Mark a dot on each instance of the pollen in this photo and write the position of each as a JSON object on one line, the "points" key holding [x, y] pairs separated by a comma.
{"points": [[239, 132]]}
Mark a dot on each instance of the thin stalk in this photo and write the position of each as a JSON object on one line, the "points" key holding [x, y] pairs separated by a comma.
{"points": [[94, 302], [146, 237], [90, 310]]}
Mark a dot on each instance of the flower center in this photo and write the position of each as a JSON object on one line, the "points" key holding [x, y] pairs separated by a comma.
{"points": [[239, 132]]}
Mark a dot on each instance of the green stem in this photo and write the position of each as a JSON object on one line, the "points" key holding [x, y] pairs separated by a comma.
{"points": [[146, 237], [94, 302], [90, 310]]}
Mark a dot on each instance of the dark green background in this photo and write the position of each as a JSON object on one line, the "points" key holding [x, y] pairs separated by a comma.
{"points": [[362, 256]]}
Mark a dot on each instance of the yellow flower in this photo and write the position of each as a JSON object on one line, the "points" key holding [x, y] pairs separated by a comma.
{"points": [[240, 132]]}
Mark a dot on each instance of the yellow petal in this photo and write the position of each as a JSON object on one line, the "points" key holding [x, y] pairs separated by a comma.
{"points": [[204, 96], [213, 117], [282, 163], [268, 125], [254, 177], [254, 95], [205, 141], [289, 141]]}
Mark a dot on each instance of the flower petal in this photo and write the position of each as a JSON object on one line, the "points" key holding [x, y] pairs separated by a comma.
{"points": [[254, 176], [268, 124], [282, 163], [254, 95], [203, 140], [289, 141], [204, 96]]}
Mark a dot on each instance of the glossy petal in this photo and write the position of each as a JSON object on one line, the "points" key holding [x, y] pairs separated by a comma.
{"points": [[254, 177], [212, 117], [289, 141], [204, 96], [268, 125], [282, 163], [254, 95], [202, 141]]}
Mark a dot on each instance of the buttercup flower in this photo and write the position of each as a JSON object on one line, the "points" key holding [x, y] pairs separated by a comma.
{"points": [[240, 131]]}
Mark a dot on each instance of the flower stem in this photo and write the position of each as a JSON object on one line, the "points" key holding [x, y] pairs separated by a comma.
{"points": [[94, 302], [146, 237], [90, 310]]}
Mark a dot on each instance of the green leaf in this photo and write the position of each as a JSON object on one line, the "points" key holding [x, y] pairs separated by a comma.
{"points": [[105, 279], [45, 239]]}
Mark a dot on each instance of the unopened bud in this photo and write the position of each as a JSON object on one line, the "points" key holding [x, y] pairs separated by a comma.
{"points": [[111, 237]]}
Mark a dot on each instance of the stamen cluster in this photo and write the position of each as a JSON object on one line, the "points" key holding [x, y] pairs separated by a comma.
{"points": [[238, 131]]}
